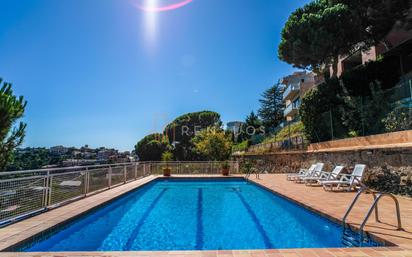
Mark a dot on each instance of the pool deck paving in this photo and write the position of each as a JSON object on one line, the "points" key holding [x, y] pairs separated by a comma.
{"points": [[329, 204]]}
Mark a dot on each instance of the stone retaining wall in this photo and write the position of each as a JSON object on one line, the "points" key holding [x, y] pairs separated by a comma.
{"points": [[389, 169]]}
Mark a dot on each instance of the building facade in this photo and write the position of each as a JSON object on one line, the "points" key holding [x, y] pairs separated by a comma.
{"points": [[398, 44], [296, 85]]}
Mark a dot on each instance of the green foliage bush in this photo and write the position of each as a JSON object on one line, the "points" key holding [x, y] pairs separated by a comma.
{"points": [[297, 129], [316, 102], [354, 104], [241, 146], [152, 147], [167, 156], [357, 81], [213, 144], [399, 119]]}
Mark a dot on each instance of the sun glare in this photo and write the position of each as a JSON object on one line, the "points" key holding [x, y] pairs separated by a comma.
{"points": [[156, 7], [151, 10]]}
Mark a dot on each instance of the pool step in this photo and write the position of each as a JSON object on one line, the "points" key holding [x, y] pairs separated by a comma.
{"points": [[350, 238]]}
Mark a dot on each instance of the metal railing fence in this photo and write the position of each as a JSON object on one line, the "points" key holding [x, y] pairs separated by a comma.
{"points": [[23, 193], [289, 144]]}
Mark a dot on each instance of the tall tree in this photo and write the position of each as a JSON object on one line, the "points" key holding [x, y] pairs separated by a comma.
{"points": [[181, 131], [252, 120], [377, 17], [11, 135], [253, 126], [317, 34], [254, 130], [151, 147], [320, 31], [271, 107]]}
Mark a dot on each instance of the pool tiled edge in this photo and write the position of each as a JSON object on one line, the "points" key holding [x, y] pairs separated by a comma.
{"points": [[330, 252], [25, 230]]}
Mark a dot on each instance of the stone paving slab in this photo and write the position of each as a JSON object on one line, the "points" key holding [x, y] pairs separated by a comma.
{"points": [[330, 204], [334, 205]]}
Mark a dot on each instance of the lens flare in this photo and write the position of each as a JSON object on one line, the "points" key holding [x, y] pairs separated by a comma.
{"points": [[165, 8], [151, 10]]}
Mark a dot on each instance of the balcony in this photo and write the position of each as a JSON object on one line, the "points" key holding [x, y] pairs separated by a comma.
{"points": [[291, 91], [291, 110]]}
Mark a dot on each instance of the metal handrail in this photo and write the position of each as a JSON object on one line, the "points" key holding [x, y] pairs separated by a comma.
{"points": [[94, 178], [252, 170], [374, 207], [75, 168]]}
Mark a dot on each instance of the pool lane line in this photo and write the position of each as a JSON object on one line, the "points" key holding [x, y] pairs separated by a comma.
{"points": [[199, 232], [255, 219], [135, 232]]}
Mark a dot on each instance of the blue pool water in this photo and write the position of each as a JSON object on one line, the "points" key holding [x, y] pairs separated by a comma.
{"points": [[177, 214]]}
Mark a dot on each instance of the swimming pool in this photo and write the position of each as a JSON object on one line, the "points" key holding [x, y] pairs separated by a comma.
{"points": [[194, 214]]}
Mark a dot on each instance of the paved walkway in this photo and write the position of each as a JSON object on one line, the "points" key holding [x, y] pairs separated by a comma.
{"points": [[334, 205], [329, 204]]}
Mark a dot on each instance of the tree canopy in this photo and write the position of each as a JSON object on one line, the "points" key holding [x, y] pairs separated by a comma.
{"points": [[11, 110], [271, 107], [213, 144], [254, 129], [181, 131], [320, 31], [253, 121], [151, 147], [32, 158]]}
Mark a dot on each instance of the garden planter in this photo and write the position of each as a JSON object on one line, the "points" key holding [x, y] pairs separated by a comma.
{"points": [[166, 172], [225, 172]]}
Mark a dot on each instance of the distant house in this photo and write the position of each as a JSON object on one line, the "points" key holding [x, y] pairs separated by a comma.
{"points": [[88, 155], [234, 126], [296, 85], [106, 154], [58, 150]]}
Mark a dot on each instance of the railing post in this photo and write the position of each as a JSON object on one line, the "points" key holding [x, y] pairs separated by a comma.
{"points": [[125, 173], [135, 170], [110, 177], [46, 189], [50, 191], [86, 181]]}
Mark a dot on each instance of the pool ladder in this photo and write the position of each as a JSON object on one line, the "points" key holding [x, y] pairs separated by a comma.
{"points": [[250, 172], [351, 238]]}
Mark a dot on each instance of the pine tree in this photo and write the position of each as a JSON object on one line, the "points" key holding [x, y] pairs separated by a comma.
{"points": [[11, 109], [271, 107]]}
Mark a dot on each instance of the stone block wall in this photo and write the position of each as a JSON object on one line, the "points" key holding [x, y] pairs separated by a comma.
{"points": [[389, 169]]}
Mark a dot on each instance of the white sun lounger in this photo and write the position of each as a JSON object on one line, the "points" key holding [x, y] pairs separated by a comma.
{"points": [[324, 175], [349, 181], [301, 173], [316, 172]]}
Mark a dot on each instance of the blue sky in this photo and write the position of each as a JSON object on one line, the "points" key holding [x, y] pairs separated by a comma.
{"points": [[106, 73]]}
